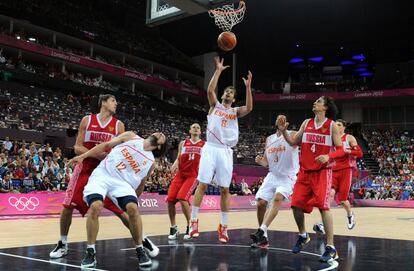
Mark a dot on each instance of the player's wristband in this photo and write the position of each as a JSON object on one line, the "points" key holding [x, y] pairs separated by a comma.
{"points": [[356, 151], [339, 152]]}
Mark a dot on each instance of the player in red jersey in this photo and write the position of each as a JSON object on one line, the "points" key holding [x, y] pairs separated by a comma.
{"points": [[93, 130], [184, 182], [317, 138], [342, 174]]}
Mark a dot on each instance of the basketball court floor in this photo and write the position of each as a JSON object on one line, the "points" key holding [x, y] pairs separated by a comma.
{"points": [[382, 240]]}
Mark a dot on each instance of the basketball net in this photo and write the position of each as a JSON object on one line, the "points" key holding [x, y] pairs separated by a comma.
{"points": [[227, 16]]}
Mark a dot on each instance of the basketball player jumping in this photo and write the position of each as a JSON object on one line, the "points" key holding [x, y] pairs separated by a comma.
{"points": [[316, 137], [121, 176], [283, 163], [217, 155], [342, 173], [93, 129], [184, 182]]}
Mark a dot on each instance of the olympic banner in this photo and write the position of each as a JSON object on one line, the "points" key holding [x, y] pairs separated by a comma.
{"points": [[84, 61], [336, 95], [50, 203], [44, 203], [384, 203]]}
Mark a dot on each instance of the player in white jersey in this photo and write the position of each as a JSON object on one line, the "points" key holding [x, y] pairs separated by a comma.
{"points": [[217, 155], [121, 177], [283, 163]]}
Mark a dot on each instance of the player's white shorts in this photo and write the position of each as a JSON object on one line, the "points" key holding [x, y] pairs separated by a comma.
{"points": [[216, 159], [273, 184], [102, 183]]}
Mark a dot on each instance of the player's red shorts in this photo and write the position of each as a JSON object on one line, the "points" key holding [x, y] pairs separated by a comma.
{"points": [[74, 192], [181, 188], [312, 189], [341, 182]]}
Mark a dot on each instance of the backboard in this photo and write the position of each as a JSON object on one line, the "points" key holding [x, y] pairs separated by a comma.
{"points": [[164, 11]]}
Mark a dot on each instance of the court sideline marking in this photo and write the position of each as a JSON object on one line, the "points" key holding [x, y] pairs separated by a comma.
{"points": [[50, 262]]}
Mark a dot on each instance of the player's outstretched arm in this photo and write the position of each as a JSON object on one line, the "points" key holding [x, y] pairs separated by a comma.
{"points": [[246, 109], [176, 164], [79, 148], [355, 148], [212, 86], [262, 159], [141, 186], [293, 139], [103, 147]]}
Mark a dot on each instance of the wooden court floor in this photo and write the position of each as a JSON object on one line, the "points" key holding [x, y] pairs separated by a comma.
{"points": [[389, 223]]}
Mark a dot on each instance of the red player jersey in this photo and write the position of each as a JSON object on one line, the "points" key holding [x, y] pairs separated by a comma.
{"points": [[347, 161], [190, 157], [316, 141], [96, 133]]}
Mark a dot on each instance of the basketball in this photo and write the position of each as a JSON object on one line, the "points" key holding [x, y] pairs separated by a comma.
{"points": [[227, 41]]}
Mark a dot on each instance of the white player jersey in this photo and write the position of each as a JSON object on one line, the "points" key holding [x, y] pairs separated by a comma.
{"points": [[282, 158], [223, 126], [129, 161]]}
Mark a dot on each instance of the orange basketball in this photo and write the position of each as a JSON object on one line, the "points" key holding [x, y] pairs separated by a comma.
{"points": [[227, 41]]}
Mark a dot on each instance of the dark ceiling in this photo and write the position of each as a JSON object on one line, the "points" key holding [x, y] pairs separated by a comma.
{"points": [[274, 31]]}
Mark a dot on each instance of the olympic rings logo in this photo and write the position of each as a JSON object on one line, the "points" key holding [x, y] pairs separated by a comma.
{"points": [[23, 203], [210, 202]]}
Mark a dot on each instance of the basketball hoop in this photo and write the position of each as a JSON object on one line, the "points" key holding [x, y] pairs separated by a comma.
{"points": [[227, 16]]}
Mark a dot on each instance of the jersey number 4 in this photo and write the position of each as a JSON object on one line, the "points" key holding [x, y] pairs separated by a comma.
{"points": [[313, 148]]}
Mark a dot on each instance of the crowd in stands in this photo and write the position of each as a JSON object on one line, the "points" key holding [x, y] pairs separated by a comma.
{"points": [[38, 111], [26, 167], [393, 150], [99, 23]]}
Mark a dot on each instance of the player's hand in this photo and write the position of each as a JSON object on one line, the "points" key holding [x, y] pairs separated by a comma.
{"points": [[174, 167], [220, 64], [322, 159], [75, 160], [248, 81], [281, 123], [347, 151], [259, 159]]}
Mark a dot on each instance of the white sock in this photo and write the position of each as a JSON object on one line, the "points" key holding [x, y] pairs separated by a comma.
{"points": [[64, 239], [263, 227], [304, 235], [174, 226], [332, 246], [194, 212], [139, 246], [224, 220], [91, 246]]}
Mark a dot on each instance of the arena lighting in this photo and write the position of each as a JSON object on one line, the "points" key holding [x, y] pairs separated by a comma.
{"points": [[319, 83], [347, 62], [32, 39], [296, 60], [360, 57], [362, 65], [316, 59], [18, 37], [366, 74], [361, 69]]}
